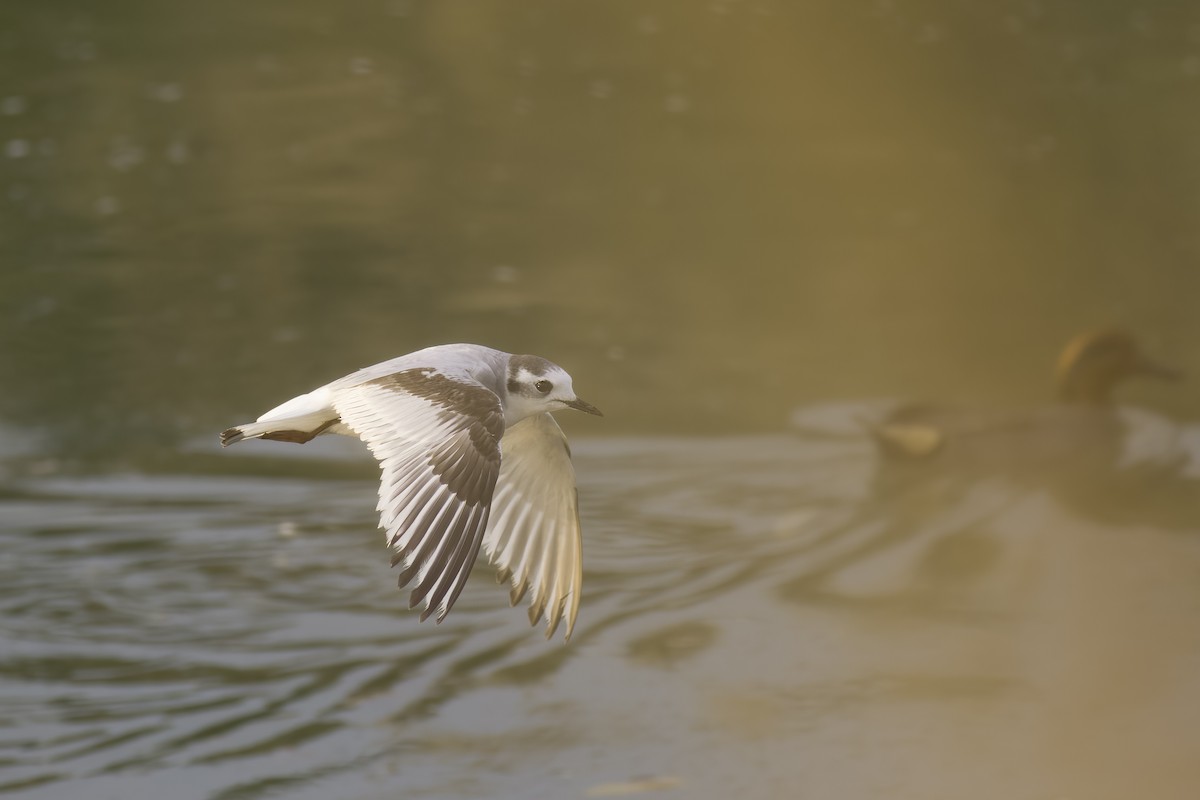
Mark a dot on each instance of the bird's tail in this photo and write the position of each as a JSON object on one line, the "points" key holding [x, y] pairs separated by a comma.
{"points": [[298, 420], [298, 430], [251, 430], [231, 436]]}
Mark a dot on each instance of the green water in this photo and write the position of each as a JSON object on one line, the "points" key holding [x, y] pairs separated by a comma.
{"points": [[737, 224]]}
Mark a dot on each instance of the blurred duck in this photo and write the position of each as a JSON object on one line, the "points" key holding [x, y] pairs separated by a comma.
{"points": [[1091, 366], [933, 531]]}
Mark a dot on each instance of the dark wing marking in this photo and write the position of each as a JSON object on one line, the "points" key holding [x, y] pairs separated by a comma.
{"points": [[437, 440]]}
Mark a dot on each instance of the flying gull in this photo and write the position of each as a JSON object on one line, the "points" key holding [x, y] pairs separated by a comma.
{"points": [[469, 455]]}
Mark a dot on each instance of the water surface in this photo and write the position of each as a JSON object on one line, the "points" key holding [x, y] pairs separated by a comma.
{"points": [[759, 616], [736, 224]]}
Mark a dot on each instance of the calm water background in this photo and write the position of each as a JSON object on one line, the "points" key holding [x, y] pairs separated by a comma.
{"points": [[738, 224]]}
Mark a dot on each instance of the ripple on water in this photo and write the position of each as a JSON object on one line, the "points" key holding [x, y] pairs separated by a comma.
{"points": [[757, 612]]}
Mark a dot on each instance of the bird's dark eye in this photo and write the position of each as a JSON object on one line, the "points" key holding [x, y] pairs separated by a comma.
{"points": [[543, 386]]}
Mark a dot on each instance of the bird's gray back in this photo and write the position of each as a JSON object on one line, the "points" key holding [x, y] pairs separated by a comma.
{"points": [[485, 365]]}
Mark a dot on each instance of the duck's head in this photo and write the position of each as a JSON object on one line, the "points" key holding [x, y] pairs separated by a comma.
{"points": [[1093, 363]]}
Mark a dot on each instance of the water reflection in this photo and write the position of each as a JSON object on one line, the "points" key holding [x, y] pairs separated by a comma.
{"points": [[715, 213], [745, 598], [948, 478]]}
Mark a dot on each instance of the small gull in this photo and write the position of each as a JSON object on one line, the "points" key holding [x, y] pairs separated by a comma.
{"points": [[469, 455]]}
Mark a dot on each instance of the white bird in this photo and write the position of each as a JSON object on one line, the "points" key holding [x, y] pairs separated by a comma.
{"points": [[470, 455]]}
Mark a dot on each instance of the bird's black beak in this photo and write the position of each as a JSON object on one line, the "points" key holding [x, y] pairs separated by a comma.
{"points": [[580, 405]]}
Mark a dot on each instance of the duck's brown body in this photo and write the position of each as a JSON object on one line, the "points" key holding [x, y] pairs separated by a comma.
{"points": [[1090, 367]]}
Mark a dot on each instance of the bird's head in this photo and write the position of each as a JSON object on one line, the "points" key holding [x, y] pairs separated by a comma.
{"points": [[536, 385], [1093, 363]]}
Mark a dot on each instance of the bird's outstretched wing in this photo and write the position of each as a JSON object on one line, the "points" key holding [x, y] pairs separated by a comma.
{"points": [[534, 537], [437, 440]]}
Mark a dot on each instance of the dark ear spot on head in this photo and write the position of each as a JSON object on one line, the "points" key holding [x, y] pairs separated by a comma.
{"points": [[513, 386]]}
